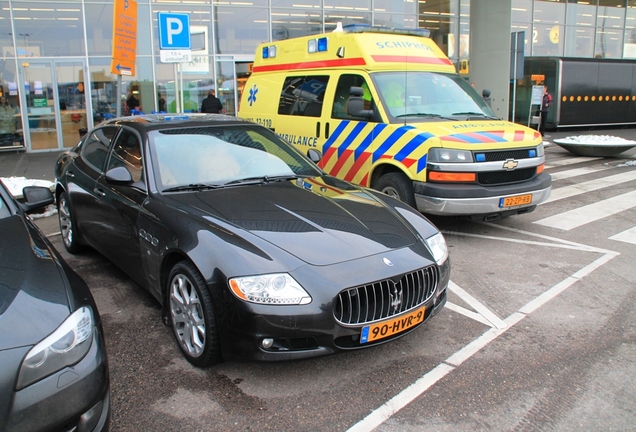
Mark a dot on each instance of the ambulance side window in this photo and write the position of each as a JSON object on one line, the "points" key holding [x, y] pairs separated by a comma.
{"points": [[345, 82], [303, 96]]}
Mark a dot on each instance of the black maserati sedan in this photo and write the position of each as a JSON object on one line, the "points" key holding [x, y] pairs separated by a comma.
{"points": [[53, 364], [252, 250]]}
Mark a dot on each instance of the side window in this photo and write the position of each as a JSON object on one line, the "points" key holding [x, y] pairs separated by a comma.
{"points": [[303, 96], [4, 210], [95, 148], [127, 153], [341, 99]]}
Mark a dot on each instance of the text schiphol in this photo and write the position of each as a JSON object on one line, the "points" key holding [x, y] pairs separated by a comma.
{"points": [[404, 44]]}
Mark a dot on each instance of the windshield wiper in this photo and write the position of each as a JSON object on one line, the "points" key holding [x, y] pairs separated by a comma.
{"points": [[421, 114], [192, 187], [264, 179], [472, 113]]}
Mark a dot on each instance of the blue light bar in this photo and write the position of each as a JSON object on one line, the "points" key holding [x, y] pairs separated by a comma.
{"points": [[532, 153], [366, 28], [265, 52], [480, 157]]}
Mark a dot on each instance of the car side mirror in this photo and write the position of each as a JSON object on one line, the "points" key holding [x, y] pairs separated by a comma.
{"points": [[119, 175], [36, 197], [355, 106], [314, 155]]}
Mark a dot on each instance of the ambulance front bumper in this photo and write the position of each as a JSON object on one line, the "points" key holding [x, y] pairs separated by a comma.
{"points": [[462, 199]]}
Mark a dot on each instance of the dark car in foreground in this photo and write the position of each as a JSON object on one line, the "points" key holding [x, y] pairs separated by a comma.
{"points": [[252, 250], [53, 364]]}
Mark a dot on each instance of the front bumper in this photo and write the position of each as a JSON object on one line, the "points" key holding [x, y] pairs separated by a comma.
{"points": [[462, 199], [77, 398], [304, 331]]}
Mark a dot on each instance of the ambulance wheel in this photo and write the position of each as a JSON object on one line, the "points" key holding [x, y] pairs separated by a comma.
{"points": [[398, 186]]}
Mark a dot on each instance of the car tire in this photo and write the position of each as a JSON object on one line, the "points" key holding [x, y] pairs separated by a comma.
{"points": [[396, 185], [68, 227], [192, 315]]}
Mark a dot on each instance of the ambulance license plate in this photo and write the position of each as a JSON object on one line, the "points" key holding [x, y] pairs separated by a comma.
{"points": [[515, 201], [391, 327]]}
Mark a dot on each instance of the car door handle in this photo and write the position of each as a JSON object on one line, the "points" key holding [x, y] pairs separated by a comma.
{"points": [[99, 192], [70, 174]]}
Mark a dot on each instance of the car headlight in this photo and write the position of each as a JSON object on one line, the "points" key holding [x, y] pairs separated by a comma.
{"points": [[440, 155], [67, 345], [437, 246], [271, 289]]}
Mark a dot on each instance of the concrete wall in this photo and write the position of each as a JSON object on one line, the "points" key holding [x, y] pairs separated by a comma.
{"points": [[490, 22]]}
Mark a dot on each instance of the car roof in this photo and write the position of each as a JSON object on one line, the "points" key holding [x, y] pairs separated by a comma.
{"points": [[151, 122]]}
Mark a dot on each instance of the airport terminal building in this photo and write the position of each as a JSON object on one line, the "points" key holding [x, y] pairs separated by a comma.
{"points": [[61, 73]]}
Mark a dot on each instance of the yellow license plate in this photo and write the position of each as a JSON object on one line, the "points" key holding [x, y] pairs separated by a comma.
{"points": [[515, 201], [391, 327]]}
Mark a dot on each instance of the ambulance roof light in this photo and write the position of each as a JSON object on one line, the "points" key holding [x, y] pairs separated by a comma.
{"points": [[317, 45], [366, 28], [269, 51]]}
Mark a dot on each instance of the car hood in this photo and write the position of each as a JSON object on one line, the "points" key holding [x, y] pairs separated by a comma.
{"points": [[476, 135], [33, 293], [319, 220]]}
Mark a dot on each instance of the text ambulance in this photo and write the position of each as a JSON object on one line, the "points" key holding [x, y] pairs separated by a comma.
{"points": [[387, 110]]}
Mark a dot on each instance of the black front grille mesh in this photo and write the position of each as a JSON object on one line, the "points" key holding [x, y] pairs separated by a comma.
{"points": [[494, 156], [381, 300], [499, 177]]}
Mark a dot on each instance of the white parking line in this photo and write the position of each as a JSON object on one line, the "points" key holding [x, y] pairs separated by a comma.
{"points": [[570, 161], [583, 215], [589, 186], [627, 236], [409, 394], [577, 172], [492, 320]]}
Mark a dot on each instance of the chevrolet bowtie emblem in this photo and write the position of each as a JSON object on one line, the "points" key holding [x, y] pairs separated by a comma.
{"points": [[510, 164]]}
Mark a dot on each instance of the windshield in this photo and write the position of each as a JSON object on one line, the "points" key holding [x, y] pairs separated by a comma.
{"points": [[221, 155], [426, 96]]}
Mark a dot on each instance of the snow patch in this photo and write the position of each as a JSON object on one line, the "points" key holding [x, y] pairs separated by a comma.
{"points": [[16, 184], [595, 140]]}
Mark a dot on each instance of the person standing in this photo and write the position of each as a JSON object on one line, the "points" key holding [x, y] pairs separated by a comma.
{"points": [[546, 101], [132, 103], [7, 123], [211, 104]]}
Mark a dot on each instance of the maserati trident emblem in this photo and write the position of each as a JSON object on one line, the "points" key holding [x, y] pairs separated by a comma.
{"points": [[387, 262], [395, 295], [510, 164]]}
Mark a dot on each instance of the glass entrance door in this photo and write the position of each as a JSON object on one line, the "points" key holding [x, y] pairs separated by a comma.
{"points": [[55, 104], [73, 109]]}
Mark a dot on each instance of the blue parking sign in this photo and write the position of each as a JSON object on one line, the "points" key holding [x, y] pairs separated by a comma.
{"points": [[174, 31]]}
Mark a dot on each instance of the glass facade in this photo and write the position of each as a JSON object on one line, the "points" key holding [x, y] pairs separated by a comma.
{"points": [[577, 28], [57, 69]]}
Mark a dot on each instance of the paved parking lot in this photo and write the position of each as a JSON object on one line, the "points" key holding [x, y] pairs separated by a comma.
{"points": [[538, 334]]}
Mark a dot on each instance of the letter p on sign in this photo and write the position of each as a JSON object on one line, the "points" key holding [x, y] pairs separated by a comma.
{"points": [[174, 31]]}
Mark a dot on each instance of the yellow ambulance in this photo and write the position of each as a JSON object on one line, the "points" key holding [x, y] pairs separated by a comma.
{"points": [[386, 109]]}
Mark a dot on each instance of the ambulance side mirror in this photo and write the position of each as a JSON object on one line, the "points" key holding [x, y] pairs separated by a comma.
{"points": [[355, 106], [314, 155]]}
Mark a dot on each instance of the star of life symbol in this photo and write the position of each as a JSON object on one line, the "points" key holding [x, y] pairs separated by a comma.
{"points": [[252, 97]]}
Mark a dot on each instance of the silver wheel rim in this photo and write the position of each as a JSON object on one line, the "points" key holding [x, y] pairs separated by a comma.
{"points": [[66, 223], [391, 191], [187, 315]]}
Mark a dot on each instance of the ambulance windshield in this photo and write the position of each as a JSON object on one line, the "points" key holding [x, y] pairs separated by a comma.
{"points": [[429, 96]]}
